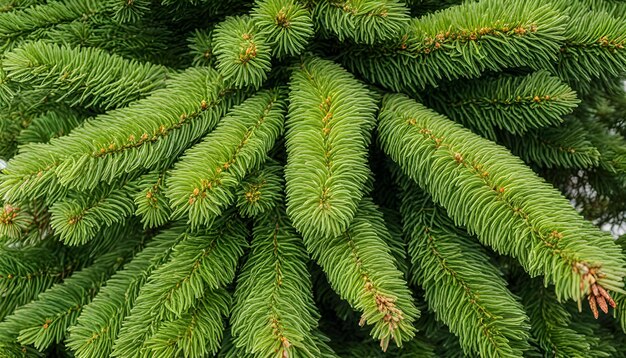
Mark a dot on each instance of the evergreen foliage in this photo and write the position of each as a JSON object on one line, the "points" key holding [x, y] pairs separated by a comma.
{"points": [[312, 178]]}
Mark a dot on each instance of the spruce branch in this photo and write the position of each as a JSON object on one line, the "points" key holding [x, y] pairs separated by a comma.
{"points": [[25, 273], [362, 21], [88, 77], [152, 204], [463, 42], [461, 286], [45, 320], [594, 48], [274, 313], [145, 135], [362, 271], [286, 24], [196, 333], [202, 261], [331, 115], [201, 46], [15, 25], [78, 218], [203, 182], [260, 190], [99, 323], [566, 146], [551, 324], [515, 104], [243, 53], [49, 125], [128, 10], [564, 248]]}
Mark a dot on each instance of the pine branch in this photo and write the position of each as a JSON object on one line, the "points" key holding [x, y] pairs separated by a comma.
{"points": [[202, 261], [362, 21], [286, 24], [362, 271], [243, 54], [463, 41], [463, 288], [86, 77], [46, 320], [520, 215], [260, 190], [146, 135], [99, 323], [330, 117], [274, 312], [512, 103], [203, 182]]}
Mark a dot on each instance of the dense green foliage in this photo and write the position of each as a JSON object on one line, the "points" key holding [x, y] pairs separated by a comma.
{"points": [[312, 178]]}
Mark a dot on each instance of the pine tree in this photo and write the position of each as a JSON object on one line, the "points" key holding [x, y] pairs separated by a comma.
{"points": [[312, 178]]}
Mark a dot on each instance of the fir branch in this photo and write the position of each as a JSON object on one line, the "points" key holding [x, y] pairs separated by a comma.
{"points": [[362, 271], [274, 312], [203, 183], [242, 52], [286, 24], [17, 24], [461, 286], [201, 46], [146, 135], [594, 47], [99, 323], [512, 103], [330, 117], [463, 41], [49, 125], [541, 229], [362, 21], [128, 10], [202, 261]]}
